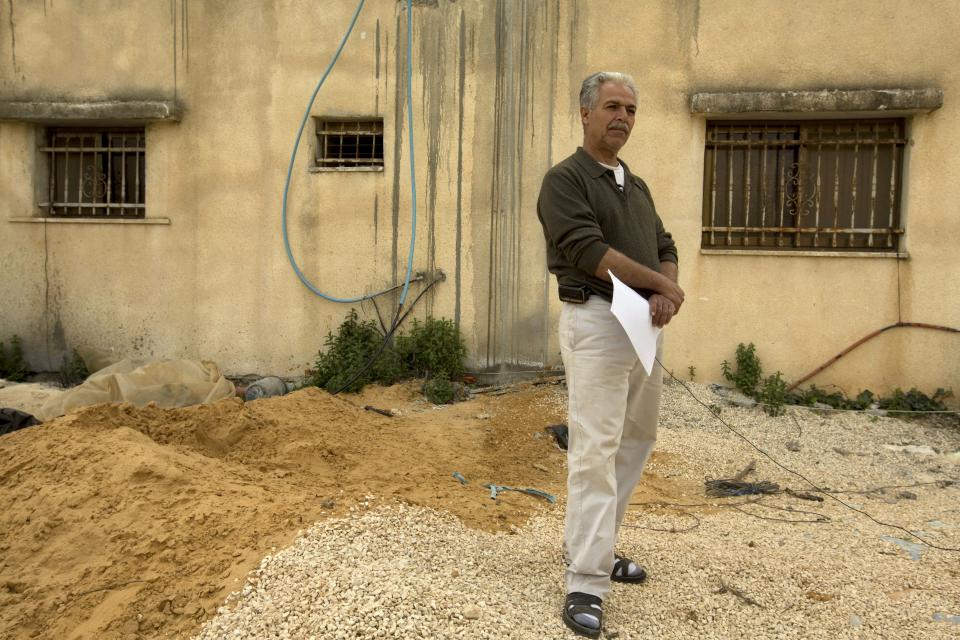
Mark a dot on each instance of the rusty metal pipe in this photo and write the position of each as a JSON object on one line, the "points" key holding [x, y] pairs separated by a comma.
{"points": [[920, 325]]}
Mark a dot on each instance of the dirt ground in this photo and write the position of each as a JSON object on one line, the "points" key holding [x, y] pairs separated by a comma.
{"points": [[119, 522]]}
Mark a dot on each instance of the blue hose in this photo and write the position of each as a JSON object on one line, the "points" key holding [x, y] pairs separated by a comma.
{"points": [[296, 145]]}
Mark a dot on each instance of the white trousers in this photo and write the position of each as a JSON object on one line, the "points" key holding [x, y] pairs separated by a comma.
{"points": [[613, 409]]}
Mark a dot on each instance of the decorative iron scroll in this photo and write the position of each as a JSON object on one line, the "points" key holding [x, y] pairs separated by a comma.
{"points": [[796, 204], [94, 185]]}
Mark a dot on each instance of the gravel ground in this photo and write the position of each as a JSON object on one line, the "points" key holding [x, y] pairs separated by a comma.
{"points": [[396, 571]]}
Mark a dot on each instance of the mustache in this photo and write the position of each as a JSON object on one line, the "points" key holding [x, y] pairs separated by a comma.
{"points": [[619, 125]]}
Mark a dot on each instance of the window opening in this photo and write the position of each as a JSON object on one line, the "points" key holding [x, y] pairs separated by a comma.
{"points": [[349, 143], [807, 185], [96, 173]]}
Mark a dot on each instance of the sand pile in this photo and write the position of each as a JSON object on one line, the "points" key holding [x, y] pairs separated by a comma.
{"points": [[125, 522]]}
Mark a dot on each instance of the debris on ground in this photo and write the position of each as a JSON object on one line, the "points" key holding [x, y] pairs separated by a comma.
{"points": [[561, 434], [803, 495], [13, 420], [497, 489], [268, 387], [383, 412], [737, 486], [323, 518], [726, 588]]}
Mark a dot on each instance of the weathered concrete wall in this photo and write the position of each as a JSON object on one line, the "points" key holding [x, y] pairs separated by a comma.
{"points": [[494, 92], [801, 311]]}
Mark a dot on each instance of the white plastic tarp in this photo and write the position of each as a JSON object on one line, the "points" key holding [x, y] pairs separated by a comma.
{"points": [[168, 383]]}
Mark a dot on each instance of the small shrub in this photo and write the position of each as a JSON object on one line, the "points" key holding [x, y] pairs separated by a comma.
{"points": [[12, 365], [692, 370], [349, 351], [73, 371], [747, 375], [433, 349], [773, 394], [433, 346], [439, 389]]}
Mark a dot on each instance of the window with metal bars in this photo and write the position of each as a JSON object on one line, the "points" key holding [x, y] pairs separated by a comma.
{"points": [[96, 173], [831, 185], [350, 143]]}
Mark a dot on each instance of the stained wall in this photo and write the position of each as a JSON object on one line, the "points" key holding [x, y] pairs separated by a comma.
{"points": [[494, 106]]}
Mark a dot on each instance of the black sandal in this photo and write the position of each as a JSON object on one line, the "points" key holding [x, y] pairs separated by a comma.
{"points": [[583, 613], [622, 571]]}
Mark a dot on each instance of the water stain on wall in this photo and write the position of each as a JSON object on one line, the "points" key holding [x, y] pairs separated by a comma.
{"points": [[525, 43], [432, 39], [179, 34], [13, 34], [399, 105], [461, 89]]}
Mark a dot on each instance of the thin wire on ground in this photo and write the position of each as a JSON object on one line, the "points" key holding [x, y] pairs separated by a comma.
{"points": [[803, 477]]}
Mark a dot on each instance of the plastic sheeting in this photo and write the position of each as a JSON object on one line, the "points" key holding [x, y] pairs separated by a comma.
{"points": [[168, 383]]}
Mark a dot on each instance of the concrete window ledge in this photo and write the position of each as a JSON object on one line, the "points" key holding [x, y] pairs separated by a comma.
{"points": [[91, 220], [106, 111], [846, 102], [748, 253], [345, 169]]}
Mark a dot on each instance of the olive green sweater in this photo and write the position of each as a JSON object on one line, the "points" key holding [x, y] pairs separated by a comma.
{"points": [[584, 213]]}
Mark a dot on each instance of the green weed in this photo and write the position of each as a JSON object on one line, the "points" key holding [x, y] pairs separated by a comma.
{"points": [[73, 371], [773, 394], [746, 377], [771, 391], [914, 400], [12, 365]]}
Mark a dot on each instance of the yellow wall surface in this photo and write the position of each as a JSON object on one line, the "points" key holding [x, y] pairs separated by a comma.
{"points": [[494, 106]]}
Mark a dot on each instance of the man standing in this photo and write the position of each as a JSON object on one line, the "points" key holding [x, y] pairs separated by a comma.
{"points": [[597, 216]]}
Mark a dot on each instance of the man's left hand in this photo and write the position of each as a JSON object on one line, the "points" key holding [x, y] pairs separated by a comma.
{"points": [[661, 310]]}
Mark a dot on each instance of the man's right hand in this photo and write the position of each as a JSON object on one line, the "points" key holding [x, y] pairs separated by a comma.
{"points": [[639, 276], [670, 290]]}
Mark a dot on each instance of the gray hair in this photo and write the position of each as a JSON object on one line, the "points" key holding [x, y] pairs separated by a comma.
{"points": [[590, 89]]}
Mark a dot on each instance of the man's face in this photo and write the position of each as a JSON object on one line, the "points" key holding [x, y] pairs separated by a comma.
{"points": [[607, 126]]}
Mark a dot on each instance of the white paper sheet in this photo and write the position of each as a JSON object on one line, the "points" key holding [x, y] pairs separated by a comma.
{"points": [[633, 312]]}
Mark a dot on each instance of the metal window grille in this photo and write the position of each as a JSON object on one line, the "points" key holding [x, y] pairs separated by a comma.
{"points": [[808, 185], [350, 143], [96, 173]]}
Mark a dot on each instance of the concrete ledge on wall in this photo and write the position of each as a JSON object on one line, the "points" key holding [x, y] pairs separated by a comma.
{"points": [[134, 221], [80, 112], [817, 103]]}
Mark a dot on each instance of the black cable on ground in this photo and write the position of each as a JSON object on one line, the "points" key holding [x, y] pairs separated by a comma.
{"points": [[800, 475], [817, 517], [696, 523], [736, 506]]}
